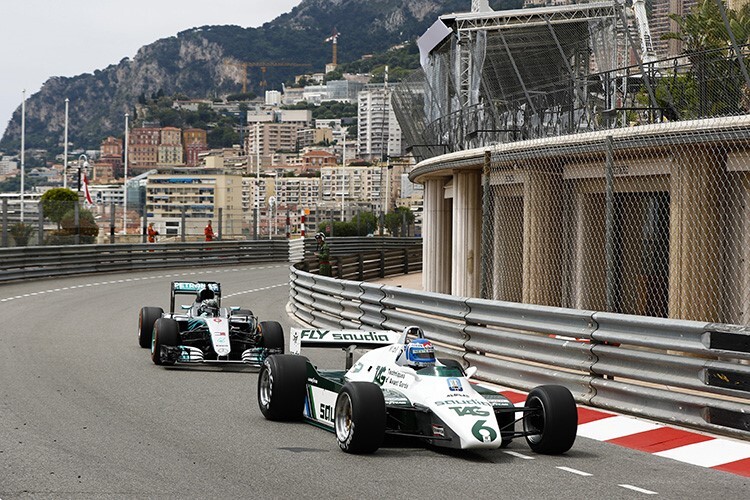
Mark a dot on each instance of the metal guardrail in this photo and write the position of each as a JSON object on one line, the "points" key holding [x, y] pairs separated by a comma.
{"points": [[37, 262], [23, 263], [683, 372]]}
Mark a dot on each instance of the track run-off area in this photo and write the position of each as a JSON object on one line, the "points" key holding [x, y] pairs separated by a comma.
{"points": [[84, 413]]}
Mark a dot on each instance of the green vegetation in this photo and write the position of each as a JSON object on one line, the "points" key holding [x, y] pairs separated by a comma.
{"points": [[394, 221], [57, 202]]}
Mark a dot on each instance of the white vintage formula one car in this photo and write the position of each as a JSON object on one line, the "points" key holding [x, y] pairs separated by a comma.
{"points": [[399, 388], [205, 332]]}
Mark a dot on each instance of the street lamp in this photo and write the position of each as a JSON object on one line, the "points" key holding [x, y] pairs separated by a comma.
{"points": [[83, 162]]}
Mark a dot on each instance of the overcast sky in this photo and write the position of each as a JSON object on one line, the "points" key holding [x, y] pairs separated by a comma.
{"points": [[45, 38]]}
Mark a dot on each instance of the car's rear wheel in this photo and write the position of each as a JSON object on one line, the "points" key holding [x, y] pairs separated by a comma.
{"points": [[281, 387], [360, 417], [146, 319], [273, 335], [552, 424], [166, 333]]}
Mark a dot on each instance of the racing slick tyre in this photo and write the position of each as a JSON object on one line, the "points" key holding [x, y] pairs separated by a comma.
{"points": [[359, 417], [552, 425], [281, 387], [166, 333], [273, 335], [146, 320]]}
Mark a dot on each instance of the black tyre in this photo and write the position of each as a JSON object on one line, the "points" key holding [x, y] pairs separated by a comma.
{"points": [[273, 335], [281, 387], [553, 423], [359, 417], [166, 333], [146, 319]]}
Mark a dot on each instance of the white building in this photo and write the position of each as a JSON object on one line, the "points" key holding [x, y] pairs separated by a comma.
{"points": [[379, 131]]}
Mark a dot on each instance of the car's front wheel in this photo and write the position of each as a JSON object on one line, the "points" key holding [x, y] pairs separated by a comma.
{"points": [[360, 417], [281, 387], [146, 320], [552, 423], [166, 333], [273, 335]]}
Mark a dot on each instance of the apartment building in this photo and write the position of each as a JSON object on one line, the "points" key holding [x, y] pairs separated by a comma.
{"points": [[274, 131], [201, 194], [143, 148], [195, 142], [170, 147], [379, 132]]}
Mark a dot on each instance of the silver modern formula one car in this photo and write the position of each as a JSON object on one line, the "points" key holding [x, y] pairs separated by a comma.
{"points": [[400, 389], [205, 332]]}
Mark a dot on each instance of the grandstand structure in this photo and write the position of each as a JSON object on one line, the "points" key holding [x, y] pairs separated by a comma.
{"points": [[491, 77]]}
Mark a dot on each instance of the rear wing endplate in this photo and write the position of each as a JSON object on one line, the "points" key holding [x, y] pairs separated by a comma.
{"points": [[305, 337], [192, 288]]}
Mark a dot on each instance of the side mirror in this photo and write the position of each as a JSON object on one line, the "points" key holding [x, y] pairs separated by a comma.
{"points": [[471, 371]]}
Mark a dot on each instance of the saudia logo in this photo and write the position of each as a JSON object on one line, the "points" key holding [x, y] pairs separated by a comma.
{"points": [[338, 336]]}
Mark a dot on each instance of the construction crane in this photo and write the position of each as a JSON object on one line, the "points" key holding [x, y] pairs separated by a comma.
{"points": [[647, 46], [334, 39], [243, 65]]}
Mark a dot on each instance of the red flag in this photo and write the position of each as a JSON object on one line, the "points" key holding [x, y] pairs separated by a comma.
{"points": [[86, 190]]}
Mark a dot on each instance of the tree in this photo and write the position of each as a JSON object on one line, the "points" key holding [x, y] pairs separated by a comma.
{"points": [[57, 202], [86, 228], [394, 221]]}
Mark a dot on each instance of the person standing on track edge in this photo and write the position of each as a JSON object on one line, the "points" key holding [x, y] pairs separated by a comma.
{"points": [[209, 232], [324, 254], [152, 233]]}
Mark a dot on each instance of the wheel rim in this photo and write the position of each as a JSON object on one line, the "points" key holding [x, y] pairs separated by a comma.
{"points": [[266, 388], [343, 421], [533, 422], [153, 342]]}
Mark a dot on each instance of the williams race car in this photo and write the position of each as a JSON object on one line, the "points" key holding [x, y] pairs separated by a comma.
{"points": [[399, 388], [205, 332]]}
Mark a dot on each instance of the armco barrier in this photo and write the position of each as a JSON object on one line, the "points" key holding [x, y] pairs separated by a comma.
{"points": [[686, 372]]}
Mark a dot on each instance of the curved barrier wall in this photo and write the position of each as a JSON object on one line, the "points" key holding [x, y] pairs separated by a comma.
{"points": [[689, 373]]}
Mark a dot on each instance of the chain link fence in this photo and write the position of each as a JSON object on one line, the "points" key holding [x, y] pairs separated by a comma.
{"points": [[653, 224]]}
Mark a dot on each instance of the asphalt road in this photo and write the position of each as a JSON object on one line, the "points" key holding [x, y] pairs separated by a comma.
{"points": [[85, 414]]}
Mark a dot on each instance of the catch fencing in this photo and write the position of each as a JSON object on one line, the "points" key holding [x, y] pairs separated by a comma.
{"points": [[690, 373]]}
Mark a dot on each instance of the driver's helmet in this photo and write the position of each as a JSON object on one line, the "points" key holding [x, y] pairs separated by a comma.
{"points": [[420, 353], [210, 307]]}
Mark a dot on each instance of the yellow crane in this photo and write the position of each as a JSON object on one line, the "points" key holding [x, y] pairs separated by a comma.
{"points": [[334, 39], [243, 65]]}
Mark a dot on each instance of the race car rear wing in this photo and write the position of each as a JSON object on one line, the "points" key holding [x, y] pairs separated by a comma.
{"points": [[341, 338], [213, 289]]}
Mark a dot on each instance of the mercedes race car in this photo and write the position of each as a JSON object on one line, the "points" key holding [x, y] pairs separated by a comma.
{"points": [[205, 332], [399, 388]]}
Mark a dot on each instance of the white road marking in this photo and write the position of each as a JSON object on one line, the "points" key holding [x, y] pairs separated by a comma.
{"points": [[73, 287], [575, 471], [518, 455], [709, 453], [636, 488], [614, 427]]}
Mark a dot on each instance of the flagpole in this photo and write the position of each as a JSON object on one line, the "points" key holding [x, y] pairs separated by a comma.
{"points": [[23, 149], [65, 154], [125, 184]]}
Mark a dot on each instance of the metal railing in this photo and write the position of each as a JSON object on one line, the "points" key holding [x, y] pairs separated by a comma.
{"points": [[689, 373], [35, 262]]}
